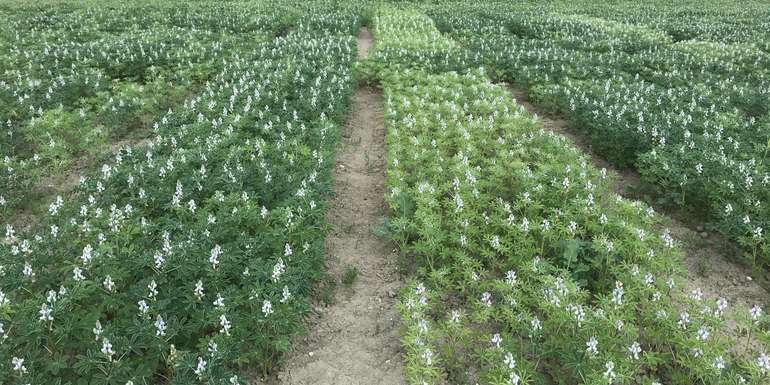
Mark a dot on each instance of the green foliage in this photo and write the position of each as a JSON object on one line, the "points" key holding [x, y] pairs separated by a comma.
{"points": [[189, 257], [527, 256], [677, 91], [349, 276], [58, 135]]}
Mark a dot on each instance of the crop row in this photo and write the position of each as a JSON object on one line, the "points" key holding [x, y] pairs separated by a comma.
{"points": [[74, 82], [187, 258], [529, 269], [690, 115]]}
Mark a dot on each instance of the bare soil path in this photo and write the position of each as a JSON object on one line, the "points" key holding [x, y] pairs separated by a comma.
{"points": [[709, 260], [355, 340]]}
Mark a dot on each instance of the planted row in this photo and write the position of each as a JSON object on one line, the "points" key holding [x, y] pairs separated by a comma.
{"points": [[529, 269], [74, 83], [689, 115], [190, 257]]}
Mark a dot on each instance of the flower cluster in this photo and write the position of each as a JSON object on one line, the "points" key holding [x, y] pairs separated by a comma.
{"points": [[192, 253], [678, 96], [529, 263]]}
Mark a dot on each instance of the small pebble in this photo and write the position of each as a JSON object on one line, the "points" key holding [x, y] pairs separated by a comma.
{"points": [[310, 354]]}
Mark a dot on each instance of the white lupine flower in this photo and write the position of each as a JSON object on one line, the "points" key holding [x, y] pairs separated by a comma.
{"points": [[45, 313], [27, 271], [108, 284], [286, 295], [634, 350], [703, 334], [719, 363], [423, 326], [721, 307], [278, 269], [497, 340], [214, 258], [98, 330], [160, 326], [287, 251], [226, 325], [510, 277], [592, 344], [617, 294], [219, 302], [177, 198], [198, 290], [486, 298], [159, 260], [267, 308], [427, 355], [143, 308], [609, 374], [495, 242], [107, 349], [77, 274], [755, 313], [53, 209], [18, 365], [578, 312], [536, 326], [763, 361], [509, 361], [696, 294], [200, 368], [152, 289], [668, 240], [9, 233]]}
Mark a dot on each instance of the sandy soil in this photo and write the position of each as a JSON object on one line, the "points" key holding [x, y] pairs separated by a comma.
{"points": [[355, 340]]}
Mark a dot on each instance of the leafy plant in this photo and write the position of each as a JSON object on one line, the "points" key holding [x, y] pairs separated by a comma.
{"points": [[349, 276]]}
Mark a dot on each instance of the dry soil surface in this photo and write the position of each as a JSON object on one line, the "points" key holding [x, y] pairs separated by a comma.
{"points": [[355, 340]]}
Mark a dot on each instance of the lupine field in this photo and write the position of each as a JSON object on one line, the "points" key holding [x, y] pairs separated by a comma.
{"points": [[166, 168]]}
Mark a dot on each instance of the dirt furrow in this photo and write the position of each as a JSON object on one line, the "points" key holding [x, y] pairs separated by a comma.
{"points": [[355, 340]]}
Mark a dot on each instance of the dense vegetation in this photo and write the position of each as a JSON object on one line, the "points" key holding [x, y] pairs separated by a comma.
{"points": [[679, 93], [529, 268], [166, 170], [181, 258]]}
